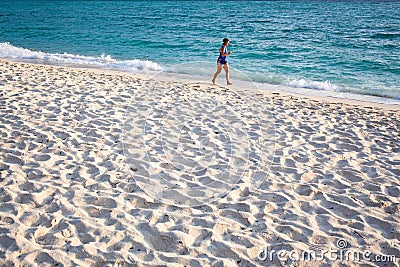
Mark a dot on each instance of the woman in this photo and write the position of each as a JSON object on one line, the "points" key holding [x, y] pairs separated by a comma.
{"points": [[222, 63]]}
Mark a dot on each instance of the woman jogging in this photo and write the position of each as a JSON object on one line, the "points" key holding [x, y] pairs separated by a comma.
{"points": [[222, 63]]}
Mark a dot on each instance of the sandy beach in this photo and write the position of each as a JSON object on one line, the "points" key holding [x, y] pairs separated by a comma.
{"points": [[103, 168]]}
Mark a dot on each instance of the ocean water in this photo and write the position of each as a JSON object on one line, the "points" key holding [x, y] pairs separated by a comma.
{"points": [[338, 46]]}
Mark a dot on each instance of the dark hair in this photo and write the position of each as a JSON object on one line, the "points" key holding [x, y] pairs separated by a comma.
{"points": [[225, 40]]}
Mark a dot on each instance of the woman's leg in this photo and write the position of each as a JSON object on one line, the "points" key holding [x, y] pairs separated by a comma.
{"points": [[226, 68], [219, 69]]}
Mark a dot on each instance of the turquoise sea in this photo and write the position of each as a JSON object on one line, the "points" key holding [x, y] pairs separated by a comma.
{"points": [[338, 46]]}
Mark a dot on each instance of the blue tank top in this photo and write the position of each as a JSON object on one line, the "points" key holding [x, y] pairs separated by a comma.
{"points": [[220, 54]]}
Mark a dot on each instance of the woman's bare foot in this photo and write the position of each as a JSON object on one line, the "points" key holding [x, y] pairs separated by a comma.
{"points": [[228, 83], [213, 81]]}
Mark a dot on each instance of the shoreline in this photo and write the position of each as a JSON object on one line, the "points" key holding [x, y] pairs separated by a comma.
{"points": [[269, 89]]}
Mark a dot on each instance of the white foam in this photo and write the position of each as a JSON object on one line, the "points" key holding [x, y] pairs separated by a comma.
{"points": [[326, 85], [9, 51]]}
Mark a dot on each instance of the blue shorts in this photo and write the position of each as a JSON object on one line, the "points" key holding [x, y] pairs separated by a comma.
{"points": [[222, 62]]}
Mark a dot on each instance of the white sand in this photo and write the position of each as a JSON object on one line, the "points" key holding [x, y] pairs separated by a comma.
{"points": [[210, 175]]}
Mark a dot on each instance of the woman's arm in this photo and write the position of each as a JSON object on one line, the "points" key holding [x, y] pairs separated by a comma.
{"points": [[222, 49]]}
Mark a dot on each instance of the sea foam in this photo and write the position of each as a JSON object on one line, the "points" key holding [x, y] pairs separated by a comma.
{"points": [[302, 83], [9, 51]]}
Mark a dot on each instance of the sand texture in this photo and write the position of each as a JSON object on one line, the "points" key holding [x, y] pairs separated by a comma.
{"points": [[99, 168]]}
